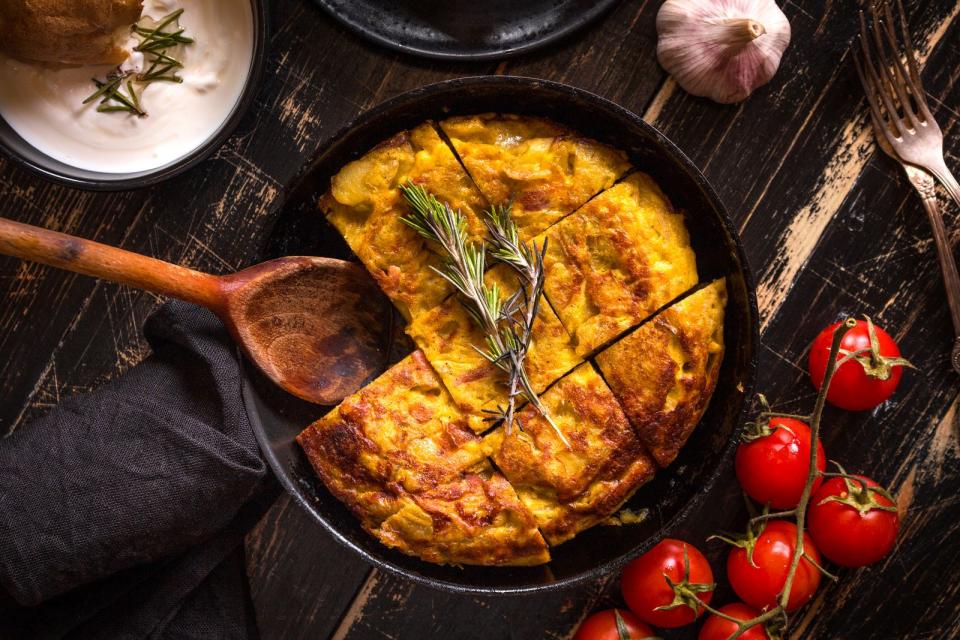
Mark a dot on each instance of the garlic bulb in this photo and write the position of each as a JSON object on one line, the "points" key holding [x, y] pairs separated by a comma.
{"points": [[721, 49]]}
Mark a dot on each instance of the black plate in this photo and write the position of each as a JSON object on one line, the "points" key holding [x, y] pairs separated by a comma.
{"points": [[675, 492], [465, 29], [31, 158]]}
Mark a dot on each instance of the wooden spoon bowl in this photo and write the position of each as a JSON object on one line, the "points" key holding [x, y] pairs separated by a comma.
{"points": [[315, 326]]}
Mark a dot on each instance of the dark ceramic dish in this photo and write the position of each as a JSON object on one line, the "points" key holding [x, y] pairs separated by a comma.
{"points": [[24, 154], [676, 492], [465, 29]]}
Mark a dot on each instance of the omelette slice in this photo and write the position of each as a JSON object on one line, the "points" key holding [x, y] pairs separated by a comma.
{"points": [[364, 203], [665, 372], [447, 335], [547, 170], [569, 490], [622, 256], [410, 466], [476, 519], [403, 428]]}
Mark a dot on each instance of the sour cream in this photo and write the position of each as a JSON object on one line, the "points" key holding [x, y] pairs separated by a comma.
{"points": [[45, 106]]}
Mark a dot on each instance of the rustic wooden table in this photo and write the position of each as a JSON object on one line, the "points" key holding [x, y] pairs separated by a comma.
{"points": [[830, 225]]}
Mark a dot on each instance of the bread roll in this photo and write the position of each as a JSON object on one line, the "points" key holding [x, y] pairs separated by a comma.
{"points": [[67, 32]]}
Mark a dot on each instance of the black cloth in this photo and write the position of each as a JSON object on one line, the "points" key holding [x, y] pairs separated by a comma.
{"points": [[123, 511]]}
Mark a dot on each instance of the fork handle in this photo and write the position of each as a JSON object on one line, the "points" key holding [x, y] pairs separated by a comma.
{"points": [[951, 279], [944, 175]]}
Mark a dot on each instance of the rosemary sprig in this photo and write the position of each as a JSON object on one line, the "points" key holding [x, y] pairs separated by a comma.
{"points": [[521, 309], [507, 325], [120, 92]]}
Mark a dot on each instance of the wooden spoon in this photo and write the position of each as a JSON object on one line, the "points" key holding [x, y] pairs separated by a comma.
{"points": [[315, 326]]}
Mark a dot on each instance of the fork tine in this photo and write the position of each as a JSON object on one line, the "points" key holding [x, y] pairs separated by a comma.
{"points": [[905, 82], [908, 45], [883, 142], [892, 116], [919, 94], [868, 87], [892, 86], [876, 115]]}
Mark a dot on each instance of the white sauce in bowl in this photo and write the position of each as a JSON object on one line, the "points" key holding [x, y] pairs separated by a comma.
{"points": [[45, 106]]}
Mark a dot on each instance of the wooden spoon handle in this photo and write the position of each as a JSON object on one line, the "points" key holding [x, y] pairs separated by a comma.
{"points": [[102, 261]]}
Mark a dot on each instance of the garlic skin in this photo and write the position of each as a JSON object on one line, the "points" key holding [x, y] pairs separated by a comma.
{"points": [[721, 49]]}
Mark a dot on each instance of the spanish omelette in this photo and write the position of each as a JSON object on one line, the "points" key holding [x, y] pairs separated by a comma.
{"points": [[411, 454]]}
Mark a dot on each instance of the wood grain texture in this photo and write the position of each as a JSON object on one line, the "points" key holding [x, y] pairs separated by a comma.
{"points": [[830, 225], [286, 592]]}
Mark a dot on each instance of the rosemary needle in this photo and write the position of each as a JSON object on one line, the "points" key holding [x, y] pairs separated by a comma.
{"points": [[507, 325], [154, 45]]}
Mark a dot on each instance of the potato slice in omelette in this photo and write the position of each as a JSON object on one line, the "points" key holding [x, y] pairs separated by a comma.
{"points": [[447, 335], [547, 170], [364, 203], [412, 468], [569, 490], [610, 265], [665, 372]]}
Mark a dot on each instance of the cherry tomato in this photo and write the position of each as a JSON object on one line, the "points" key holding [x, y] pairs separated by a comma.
{"points": [[760, 585], [717, 628], [852, 388], [845, 533], [645, 588], [602, 625], [773, 469]]}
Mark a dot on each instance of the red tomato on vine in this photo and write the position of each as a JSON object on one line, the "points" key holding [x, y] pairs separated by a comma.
{"points": [[672, 574], [867, 379], [717, 628], [613, 624], [757, 569], [853, 521], [773, 462]]}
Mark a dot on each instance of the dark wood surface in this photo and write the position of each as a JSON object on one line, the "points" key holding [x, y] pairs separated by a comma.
{"points": [[830, 225]]}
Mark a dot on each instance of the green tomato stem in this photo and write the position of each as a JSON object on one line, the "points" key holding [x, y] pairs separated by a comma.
{"points": [[812, 472]]}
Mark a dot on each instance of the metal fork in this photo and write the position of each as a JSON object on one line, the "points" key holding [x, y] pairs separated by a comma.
{"points": [[907, 132]]}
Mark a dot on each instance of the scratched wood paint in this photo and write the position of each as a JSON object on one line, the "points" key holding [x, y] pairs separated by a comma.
{"points": [[829, 226]]}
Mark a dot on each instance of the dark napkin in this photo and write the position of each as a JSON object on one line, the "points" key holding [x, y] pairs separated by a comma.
{"points": [[123, 511]]}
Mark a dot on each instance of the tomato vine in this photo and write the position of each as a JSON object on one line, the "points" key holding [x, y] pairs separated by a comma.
{"points": [[776, 618]]}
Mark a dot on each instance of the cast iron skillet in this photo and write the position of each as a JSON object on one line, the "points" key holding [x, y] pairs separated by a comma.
{"points": [[676, 492], [465, 29]]}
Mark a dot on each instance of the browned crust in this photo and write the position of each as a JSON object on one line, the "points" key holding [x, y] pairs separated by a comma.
{"points": [[403, 425], [398, 139], [664, 373]]}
